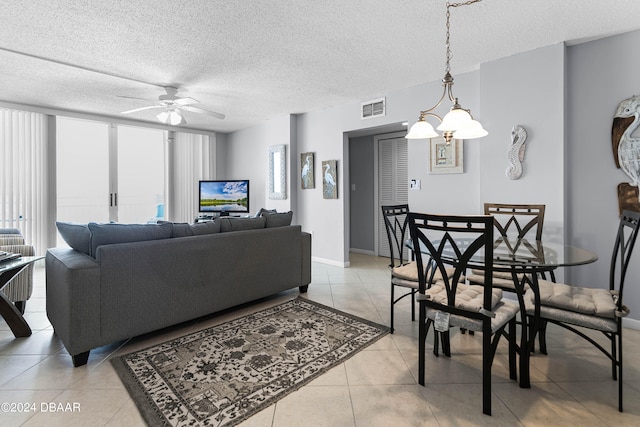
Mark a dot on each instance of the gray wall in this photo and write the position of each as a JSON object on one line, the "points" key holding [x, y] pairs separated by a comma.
{"points": [[600, 75], [361, 174], [564, 96]]}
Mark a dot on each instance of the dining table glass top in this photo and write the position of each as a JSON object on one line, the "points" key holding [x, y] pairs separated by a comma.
{"points": [[521, 253]]}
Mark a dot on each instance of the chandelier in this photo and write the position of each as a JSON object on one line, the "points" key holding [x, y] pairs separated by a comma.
{"points": [[458, 123]]}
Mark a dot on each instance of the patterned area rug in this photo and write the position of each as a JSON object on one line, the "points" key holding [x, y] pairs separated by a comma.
{"points": [[222, 375]]}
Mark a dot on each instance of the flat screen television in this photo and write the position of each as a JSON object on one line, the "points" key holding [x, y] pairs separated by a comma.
{"points": [[224, 196]]}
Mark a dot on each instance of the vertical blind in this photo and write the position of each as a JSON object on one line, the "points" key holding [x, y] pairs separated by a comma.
{"points": [[191, 159], [23, 180]]}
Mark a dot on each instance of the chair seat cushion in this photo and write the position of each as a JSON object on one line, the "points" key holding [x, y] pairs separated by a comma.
{"points": [[468, 297], [410, 272], [504, 311], [589, 301]]}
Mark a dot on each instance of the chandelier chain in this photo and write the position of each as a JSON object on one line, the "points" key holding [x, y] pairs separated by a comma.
{"points": [[447, 42]]}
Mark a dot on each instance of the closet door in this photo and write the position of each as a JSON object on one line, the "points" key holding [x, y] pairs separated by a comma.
{"points": [[393, 182]]}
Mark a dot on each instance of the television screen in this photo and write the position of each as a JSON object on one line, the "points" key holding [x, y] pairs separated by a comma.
{"points": [[224, 196]]}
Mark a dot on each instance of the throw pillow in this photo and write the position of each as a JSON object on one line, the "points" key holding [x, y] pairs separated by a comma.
{"points": [[107, 234], [77, 236], [263, 211], [240, 224], [278, 219]]}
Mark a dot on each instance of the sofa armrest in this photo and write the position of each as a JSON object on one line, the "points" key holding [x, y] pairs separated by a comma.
{"points": [[73, 298], [306, 258]]}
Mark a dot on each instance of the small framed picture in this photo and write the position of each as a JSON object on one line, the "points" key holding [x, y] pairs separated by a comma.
{"points": [[306, 171], [330, 179], [446, 158]]}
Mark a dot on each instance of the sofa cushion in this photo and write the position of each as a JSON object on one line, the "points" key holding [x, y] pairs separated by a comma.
{"points": [[240, 224], [9, 231], [278, 219], [77, 236], [107, 234], [209, 227]]}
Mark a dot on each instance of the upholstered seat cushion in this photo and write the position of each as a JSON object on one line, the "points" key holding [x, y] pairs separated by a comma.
{"points": [[470, 298], [591, 301], [501, 279], [407, 275]]}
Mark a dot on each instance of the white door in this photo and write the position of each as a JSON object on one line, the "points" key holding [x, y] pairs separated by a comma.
{"points": [[393, 182]]}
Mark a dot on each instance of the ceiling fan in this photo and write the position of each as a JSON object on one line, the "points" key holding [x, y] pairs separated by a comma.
{"points": [[172, 106]]}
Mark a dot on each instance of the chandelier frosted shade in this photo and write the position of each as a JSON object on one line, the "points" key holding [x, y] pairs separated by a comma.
{"points": [[421, 130], [473, 129], [455, 119]]}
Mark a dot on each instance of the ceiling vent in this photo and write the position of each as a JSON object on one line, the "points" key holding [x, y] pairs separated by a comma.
{"points": [[373, 108]]}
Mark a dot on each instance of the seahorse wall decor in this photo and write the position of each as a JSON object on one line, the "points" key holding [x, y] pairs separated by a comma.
{"points": [[516, 152]]}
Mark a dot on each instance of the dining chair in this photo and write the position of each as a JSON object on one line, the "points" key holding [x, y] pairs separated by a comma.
{"points": [[448, 243], [598, 309], [404, 273], [514, 221]]}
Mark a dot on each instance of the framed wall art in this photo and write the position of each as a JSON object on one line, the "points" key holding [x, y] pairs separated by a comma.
{"points": [[446, 158], [330, 179], [307, 172]]}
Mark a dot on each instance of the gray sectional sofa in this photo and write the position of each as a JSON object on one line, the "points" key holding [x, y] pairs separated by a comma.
{"points": [[118, 281]]}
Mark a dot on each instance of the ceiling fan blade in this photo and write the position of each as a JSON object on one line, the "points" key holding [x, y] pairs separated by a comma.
{"points": [[185, 101], [135, 97], [142, 109], [203, 111]]}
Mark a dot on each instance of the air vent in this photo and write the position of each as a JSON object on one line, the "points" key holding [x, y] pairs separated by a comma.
{"points": [[372, 108]]}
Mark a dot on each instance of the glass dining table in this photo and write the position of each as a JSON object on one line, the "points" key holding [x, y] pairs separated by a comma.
{"points": [[526, 261]]}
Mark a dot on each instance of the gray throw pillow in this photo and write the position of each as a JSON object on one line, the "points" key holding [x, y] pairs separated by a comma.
{"points": [[278, 219], [240, 224], [108, 234], [77, 236], [263, 211]]}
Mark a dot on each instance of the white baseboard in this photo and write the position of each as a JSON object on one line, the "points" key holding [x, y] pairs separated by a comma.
{"points": [[631, 324], [362, 251]]}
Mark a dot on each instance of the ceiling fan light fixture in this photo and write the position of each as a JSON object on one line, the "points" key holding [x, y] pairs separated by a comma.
{"points": [[173, 117]]}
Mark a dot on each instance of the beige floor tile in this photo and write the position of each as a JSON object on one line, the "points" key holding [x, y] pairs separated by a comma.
{"points": [[80, 408], [461, 405], [322, 406], [601, 399], [396, 406], [378, 367], [24, 404], [128, 415], [545, 404]]}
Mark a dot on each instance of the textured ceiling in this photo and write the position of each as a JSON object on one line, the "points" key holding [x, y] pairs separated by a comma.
{"points": [[255, 60]]}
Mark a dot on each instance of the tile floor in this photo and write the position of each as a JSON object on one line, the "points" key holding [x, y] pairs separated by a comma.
{"points": [[376, 387]]}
